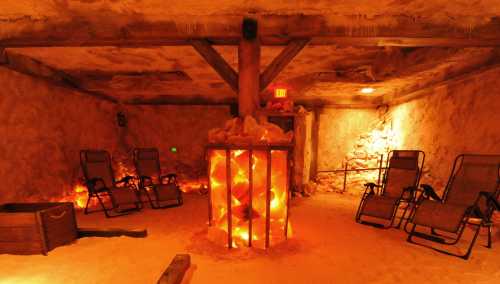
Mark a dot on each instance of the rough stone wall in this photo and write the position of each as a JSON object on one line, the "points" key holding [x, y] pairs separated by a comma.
{"points": [[183, 127], [462, 117], [43, 127], [339, 130]]}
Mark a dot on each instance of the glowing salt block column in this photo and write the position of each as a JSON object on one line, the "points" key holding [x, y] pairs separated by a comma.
{"points": [[250, 208]]}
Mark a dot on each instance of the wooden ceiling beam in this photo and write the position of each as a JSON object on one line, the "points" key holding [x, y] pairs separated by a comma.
{"points": [[405, 41], [328, 29], [108, 75], [181, 100], [218, 63], [33, 67], [281, 61], [361, 41]]}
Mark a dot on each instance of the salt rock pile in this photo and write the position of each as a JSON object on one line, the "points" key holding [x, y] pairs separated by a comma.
{"points": [[248, 131]]}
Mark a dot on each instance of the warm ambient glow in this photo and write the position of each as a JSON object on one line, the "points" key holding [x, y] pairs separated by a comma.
{"points": [[249, 203], [280, 93], [367, 90]]}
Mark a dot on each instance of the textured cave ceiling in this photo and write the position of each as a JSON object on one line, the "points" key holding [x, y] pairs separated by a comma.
{"points": [[322, 73]]}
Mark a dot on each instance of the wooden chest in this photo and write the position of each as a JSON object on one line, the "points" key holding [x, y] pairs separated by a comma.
{"points": [[36, 228]]}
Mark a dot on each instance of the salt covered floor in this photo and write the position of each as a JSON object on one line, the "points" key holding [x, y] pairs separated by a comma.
{"points": [[327, 247]]}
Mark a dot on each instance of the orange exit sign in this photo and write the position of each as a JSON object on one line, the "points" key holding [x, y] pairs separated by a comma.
{"points": [[280, 93]]}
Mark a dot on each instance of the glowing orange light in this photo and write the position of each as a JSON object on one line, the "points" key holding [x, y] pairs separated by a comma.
{"points": [[367, 90], [249, 206], [280, 93]]}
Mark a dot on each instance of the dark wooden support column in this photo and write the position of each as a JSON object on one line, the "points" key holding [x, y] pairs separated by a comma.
{"points": [[214, 59], [281, 61], [249, 69]]}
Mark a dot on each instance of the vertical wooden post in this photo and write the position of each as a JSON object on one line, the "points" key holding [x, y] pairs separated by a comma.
{"points": [[249, 69]]}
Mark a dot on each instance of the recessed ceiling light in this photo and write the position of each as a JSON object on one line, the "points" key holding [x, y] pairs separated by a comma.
{"points": [[367, 90]]}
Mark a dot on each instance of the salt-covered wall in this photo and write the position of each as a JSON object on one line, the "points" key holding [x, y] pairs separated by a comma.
{"points": [[461, 117], [339, 130], [184, 128], [43, 127]]}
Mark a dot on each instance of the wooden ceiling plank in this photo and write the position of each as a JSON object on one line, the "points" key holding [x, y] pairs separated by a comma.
{"points": [[281, 61], [218, 63]]}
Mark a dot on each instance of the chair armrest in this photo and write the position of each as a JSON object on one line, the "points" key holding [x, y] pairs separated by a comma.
{"points": [[370, 187], [145, 181], [428, 192], [491, 205], [412, 192], [171, 178], [490, 200], [126, 180], [91, 183]]}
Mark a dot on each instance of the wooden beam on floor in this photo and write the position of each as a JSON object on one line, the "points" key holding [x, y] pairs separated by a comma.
{"points": [[218, 63], [111, 232], [176, 270], [281, 61], [30, 66]]}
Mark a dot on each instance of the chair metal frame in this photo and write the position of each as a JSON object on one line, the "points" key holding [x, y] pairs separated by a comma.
{"points": [[409, 199], [97, 187], [470, 214], [146, 182]]}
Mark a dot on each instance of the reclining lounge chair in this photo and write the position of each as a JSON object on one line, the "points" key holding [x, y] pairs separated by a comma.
{"points": [[161, 191], [469, 199], [398, 188], [101, 183]]}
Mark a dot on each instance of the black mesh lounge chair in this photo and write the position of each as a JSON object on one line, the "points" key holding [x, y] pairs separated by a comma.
{"points": [[101, 183], [161, 191], [470, 197], [397, 191]]}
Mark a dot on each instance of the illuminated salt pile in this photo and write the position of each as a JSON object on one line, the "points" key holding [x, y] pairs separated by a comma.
{"points": [[250, 208]]}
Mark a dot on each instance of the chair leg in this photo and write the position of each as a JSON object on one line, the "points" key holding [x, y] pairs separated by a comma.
{"points": [[469, 250], [490, 232], [103, 207], [360, 209], [85, 211], [180, 200]]}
